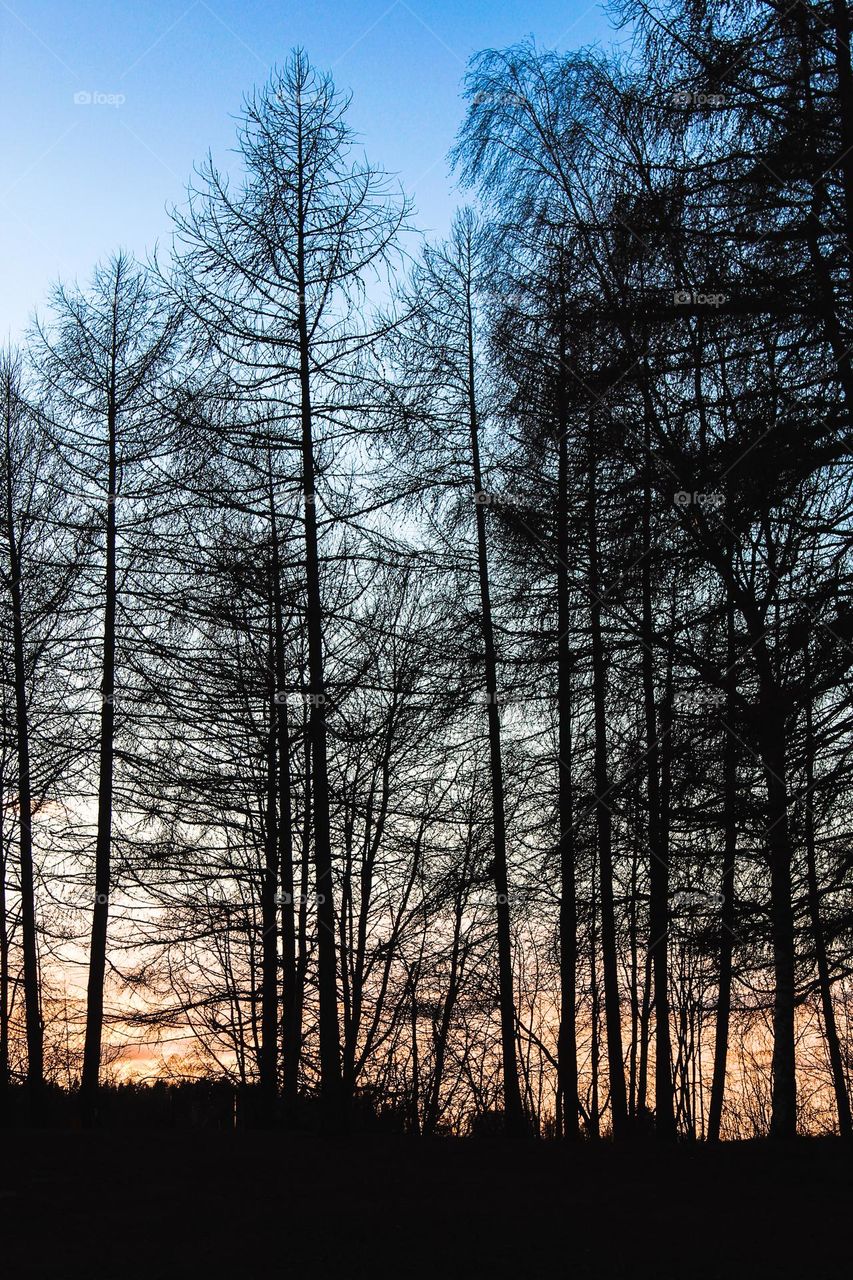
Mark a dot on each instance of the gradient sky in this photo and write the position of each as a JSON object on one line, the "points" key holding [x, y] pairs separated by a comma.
{"points": [[79, 180]]}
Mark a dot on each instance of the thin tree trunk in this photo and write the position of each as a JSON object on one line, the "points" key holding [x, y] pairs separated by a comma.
{"points": [[609, 958], [658, 848], [431, 1108], [836, 1060], [330, 1038], [513, 1111], [4, 967], [268, 1057], [727, 890], [645, 1018], [304, 876], [842, 31], [783, 1123], [633, 983], [90, 1080], [34, 1030], [567, 1050], [415, 1102], [595, 1046], [291, 1015]]}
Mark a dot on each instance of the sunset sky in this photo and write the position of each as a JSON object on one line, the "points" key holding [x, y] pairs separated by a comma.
{"points": [[166, 78]]}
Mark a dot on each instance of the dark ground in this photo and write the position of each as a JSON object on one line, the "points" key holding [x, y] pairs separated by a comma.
{"points": [[166, 1205]]}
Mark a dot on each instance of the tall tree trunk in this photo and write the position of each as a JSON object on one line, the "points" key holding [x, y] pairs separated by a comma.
{"points": [[513, 1111], [330, 1037], [305, 874], [567, 1050], [772, 736], [415, 1097], [633, 980], [374, 829], [595, 1012], [658, 848], [645, 1018], [90, 1079], [32, 1005], [727, 888], [830, 1028], [842, 30], [4, 966], [291, 1012], [442, 1036], [268, 1057], [609, 957]]}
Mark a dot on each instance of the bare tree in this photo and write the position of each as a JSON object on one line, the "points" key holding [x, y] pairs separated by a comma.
{"points": [[99, 357]]}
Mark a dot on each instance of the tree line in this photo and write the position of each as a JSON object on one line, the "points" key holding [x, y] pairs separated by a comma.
{"points": [[426, 663]]}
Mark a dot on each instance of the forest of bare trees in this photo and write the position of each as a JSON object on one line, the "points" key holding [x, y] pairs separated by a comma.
{"points": [[427, 663]]}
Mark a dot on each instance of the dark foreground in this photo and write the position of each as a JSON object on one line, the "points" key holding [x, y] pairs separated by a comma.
{"points": [[158, 1206]]}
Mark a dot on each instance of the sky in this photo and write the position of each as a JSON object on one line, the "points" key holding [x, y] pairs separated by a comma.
{"points": [[107, 104]]}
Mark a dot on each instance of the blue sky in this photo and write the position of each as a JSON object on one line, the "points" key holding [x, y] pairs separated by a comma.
{"points": [[165, 79]]}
